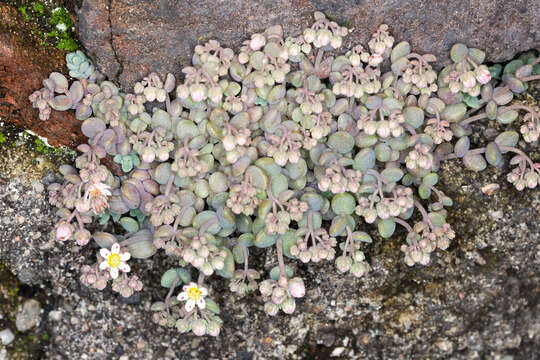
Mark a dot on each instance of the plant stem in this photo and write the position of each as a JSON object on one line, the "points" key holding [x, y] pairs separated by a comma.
{"points": [[279, 246]]}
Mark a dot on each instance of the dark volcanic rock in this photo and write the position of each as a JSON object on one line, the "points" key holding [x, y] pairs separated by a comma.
{"points": [[129, 38]]}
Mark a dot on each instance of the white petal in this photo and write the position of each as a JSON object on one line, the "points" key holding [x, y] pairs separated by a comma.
{"points": [[115, 249], [204, 291], [114, 273], [104, 253], [125, 256], [182, 296], [201, 303], [124, 267], [190, 304], [185, 287], [103, 265]]}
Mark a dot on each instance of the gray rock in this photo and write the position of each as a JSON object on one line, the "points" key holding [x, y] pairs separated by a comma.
{"points": [[29, 316], [6, 337], [55, 315], [128, 39]]}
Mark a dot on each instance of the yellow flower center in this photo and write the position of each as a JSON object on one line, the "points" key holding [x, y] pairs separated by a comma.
{"points": [[95, 192], [194, 293], [114, 260]]}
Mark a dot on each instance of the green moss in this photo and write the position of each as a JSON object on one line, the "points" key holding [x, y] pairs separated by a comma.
{"points": [[53, 22], [3, 138], [67, 45], [41, 147], [61, 16], [39, 8], [24, 12]]}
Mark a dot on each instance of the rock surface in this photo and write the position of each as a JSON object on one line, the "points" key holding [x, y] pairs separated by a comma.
{"points": [[24, 63], [6, 337], [128, 39], [29, 316], [478, 300]]}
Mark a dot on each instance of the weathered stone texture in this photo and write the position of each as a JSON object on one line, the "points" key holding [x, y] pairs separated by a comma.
{"points": [[129, 38], [24, 63]]}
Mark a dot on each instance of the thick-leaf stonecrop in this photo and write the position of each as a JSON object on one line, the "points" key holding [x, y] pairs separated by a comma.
{"points": [[284, 144]]}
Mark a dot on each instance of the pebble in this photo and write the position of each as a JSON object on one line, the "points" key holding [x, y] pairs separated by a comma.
{"points": [[445, 345], [29, 316], [38, 186], [490, 189], [337, 352], [3, 354], [55, 315], [6, 337]]}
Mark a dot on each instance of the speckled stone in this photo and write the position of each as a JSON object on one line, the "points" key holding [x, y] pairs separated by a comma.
{"points": [[128, 39]]}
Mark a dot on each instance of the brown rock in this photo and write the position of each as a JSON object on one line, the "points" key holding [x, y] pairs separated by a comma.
{"points": [[129, 39], [24, 63]]}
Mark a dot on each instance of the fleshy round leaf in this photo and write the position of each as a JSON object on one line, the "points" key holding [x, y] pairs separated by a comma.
{"points": [[343, 204], [228, 269], [474, 162], [129, 224], [493, 154], [386, 227], [507, 138]]}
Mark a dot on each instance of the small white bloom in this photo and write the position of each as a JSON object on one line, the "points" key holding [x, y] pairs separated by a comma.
{"points": [[95, 198], [193, 294], [99, 189], [114, 260], [61, 27]]}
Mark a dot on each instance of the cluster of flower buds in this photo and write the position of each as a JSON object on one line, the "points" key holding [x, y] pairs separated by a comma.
{"points": [[324, 33], [280, 294], [153, 88], [322, 248], [339, 180], [91, 276], [204, 255], [466, 75], [420, 157], [531, 129], [381, 44], [126, 285], [243, 281], [353, 259], [417, 72], [521, 178]]}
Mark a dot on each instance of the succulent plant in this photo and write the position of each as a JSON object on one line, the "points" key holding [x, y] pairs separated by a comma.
{"points": [[284, 145]]}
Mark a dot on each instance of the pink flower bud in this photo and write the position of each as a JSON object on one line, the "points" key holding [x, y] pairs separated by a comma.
{"points": [[257, 42], [213, 328], [271, 309], [288, 306], [483, 75], [63, 231], [265, 288], [199, 327], [296, 287], [82, 236]]}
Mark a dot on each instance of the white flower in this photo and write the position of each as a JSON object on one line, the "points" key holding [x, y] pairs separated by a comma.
{"points": [[95, 198], [193, 294], [114, 260], [99, 189], [61, 27]]}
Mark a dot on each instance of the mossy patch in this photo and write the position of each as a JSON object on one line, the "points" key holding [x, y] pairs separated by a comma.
{"points": [[54, 23]]}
